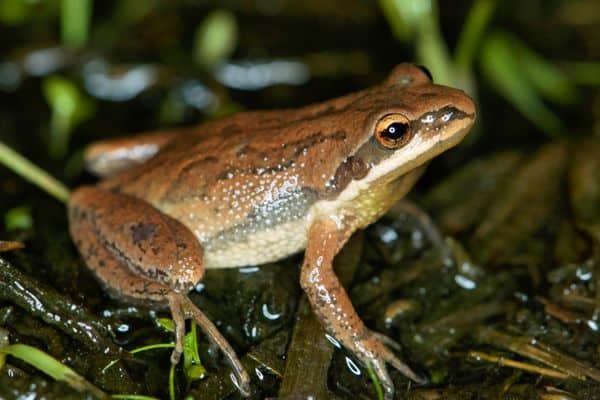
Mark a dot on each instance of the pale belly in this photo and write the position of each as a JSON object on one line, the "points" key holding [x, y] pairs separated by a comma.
{"points": [[258, 248]]}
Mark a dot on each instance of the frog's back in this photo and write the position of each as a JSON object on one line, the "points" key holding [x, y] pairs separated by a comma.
{"points": [[244, 185]]}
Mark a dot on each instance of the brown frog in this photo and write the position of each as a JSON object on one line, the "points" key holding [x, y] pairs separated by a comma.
{"points": [[259, 186]]}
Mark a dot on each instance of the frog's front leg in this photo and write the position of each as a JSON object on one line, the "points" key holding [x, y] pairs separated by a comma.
{"points": [[142, 255], [333, 307]]}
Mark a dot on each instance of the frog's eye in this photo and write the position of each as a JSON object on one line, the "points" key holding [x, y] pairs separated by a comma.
{"points": [[393, 131]]}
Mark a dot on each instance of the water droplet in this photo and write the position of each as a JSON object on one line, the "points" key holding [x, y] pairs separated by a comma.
{"points": [[464, 282], [352, 366], [268, 314], [333, 341]]}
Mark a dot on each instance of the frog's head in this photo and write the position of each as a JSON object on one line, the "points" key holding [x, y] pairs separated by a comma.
{"points": [[411, 120]]}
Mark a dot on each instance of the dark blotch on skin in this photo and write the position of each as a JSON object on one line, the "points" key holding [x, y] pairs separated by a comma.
{"points": [[358, 168], [142, 231], [352, 168]]}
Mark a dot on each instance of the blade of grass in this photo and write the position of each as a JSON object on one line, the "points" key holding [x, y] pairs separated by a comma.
{"points": [[504, 71], [376, 383], [34, 174], [139, 350], [172, 382], [75, 21], [470, 36], [51, 366]]}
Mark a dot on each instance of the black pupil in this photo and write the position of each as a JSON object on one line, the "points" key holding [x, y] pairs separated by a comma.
{"points": [[395, 130]]}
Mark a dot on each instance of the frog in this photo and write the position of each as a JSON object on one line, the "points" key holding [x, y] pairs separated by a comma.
{"points": [[259, 186]]}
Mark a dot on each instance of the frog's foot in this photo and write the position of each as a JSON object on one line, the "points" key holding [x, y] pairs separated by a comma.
{"points": [[371, 349], [183, 308]]}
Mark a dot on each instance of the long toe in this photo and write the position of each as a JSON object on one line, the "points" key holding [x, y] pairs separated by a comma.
{"points": [[404, 369], [241, 380], [384, 378], [386, 340]]}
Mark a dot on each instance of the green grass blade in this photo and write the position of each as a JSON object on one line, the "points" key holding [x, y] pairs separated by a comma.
{"points": [[505, 73], [376, 383], [140, 350], [172, 382], [152, 347], [52, 367], [34, 174], [472, 33], [75, 21]]}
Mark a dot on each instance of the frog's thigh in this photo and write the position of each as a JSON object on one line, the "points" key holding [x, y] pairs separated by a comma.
{"points": [[109, 157], [117, 280], [143, 241]]}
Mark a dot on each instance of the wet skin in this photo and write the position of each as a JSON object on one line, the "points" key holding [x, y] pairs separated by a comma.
{"points": [[257, 187]]}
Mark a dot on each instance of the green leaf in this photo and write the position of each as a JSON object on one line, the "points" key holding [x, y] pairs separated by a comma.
{"points": [[69, 108], [215, 39], [18, 218], [167, 324], [192, 364], [506, 74]]}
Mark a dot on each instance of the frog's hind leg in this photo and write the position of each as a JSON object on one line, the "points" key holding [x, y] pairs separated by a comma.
{"points": [[144, 256], [109, 157], [183, 308], [429, 228]]}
